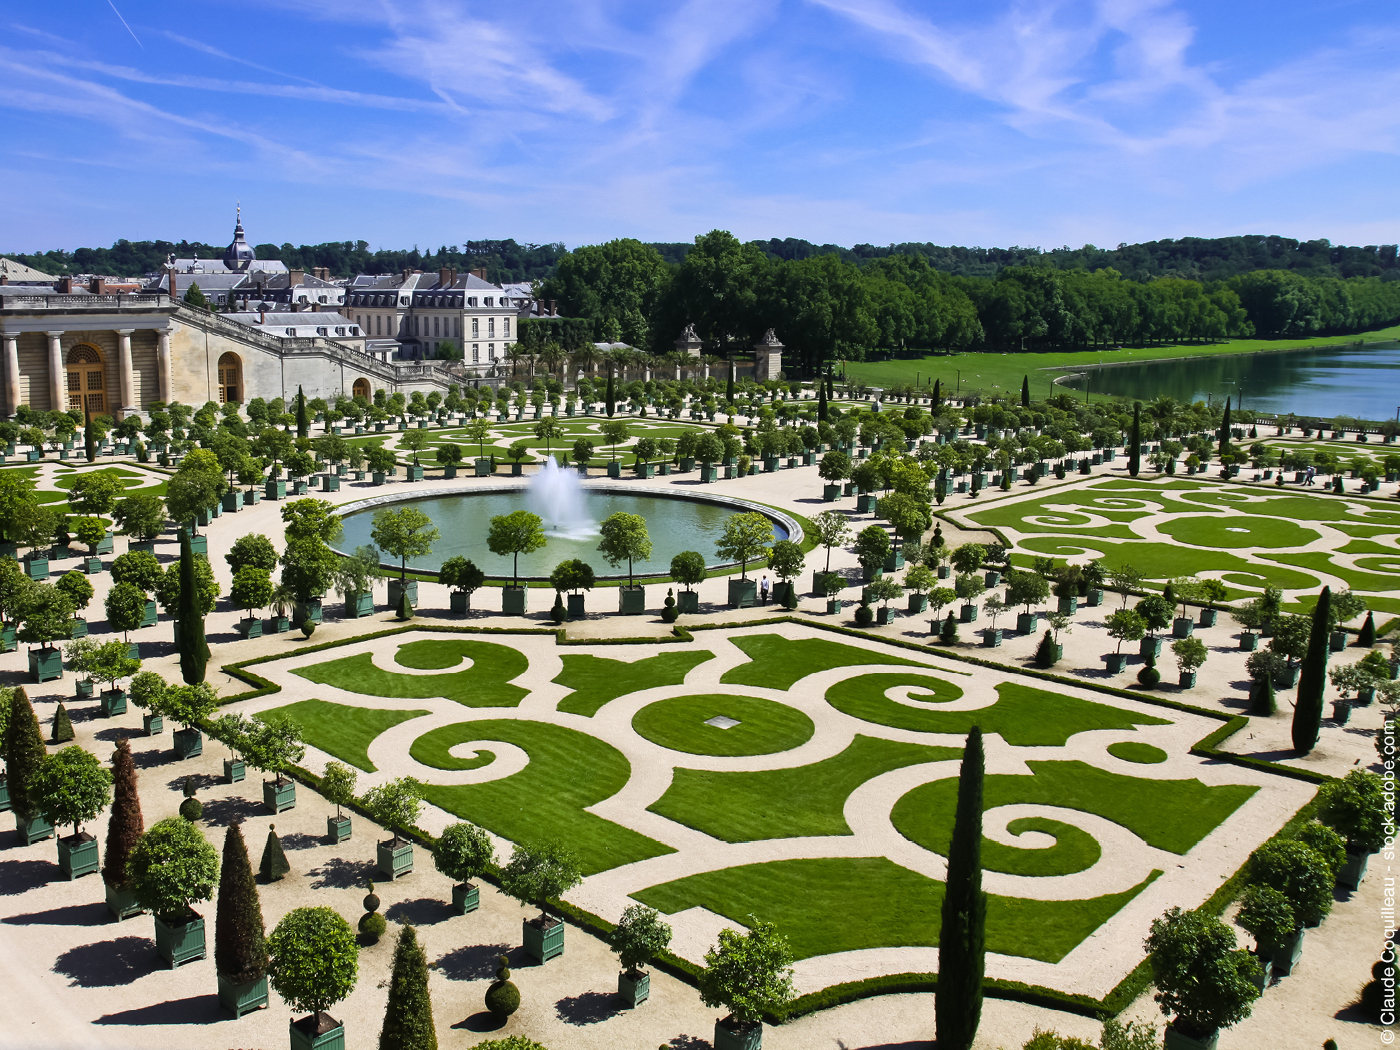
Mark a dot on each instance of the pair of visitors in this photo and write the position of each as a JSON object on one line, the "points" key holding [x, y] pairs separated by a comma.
{"points": [[1312, 473]]}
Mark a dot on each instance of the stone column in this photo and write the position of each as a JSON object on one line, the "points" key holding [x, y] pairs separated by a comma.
{"points": [[125, 379], [58, 380], [11, 374], [163, 362]]}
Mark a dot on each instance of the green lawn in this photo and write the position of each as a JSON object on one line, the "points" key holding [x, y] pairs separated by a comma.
{"points": [[1136, 751], [341, 730], [765, 726], [847, 904], [1247, 530], [567, 772], [778, 662], [786, 803], [1022, 716], [1171, 815], [596, 680], [992, 372], [483, 684]]}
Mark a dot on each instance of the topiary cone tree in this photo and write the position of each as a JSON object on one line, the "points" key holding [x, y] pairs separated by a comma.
{"points": [[962, 944], [240, 942], [408, 1015], [1312, 677], [274, 864], [62, 731], [125, 823], [194, 649], [1135, 441], [24, 754]]}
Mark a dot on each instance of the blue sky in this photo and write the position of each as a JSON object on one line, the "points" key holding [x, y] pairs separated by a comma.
{"points": [[1032, 123]]}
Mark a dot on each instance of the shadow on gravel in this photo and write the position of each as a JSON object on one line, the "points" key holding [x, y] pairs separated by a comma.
{"points": [[588, 1007], [109, 964], [482, 1022], [472, 962], [197, 1009], [73, 915], [340, 874], [221, 812], [21, 876], [420, 911]]}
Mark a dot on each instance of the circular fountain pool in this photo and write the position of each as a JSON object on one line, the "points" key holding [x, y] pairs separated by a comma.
{"points": [[675, 523]]}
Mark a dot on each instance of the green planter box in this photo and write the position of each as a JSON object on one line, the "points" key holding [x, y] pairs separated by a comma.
{"points": [[358, 605], [276, 489], [575, 604], [645, 470], [312, 611], [277, 625], [32, 831], [413, 472], [894, 562], [1208, 617], [150, 614], [991, 637], [708, 473], [882, 615], [688, 601], [457, 601], [465, 898], [742, 593], [122, 903], [831, 493], [189, 743], [687, 464], [542, 943], [251, 628], [1150, 645], [92, 566], [1068, 606], [394, 861], [338, 828], [1025, 623], [199, 544], [514, 600], [1182, 627], [631, 601], [1116, 662], [83, 689], [633, 988], [77, 855], [1175, 1040], [449, 472], [614, 469], [968, 613], [1339, 641], [113, 702], [149, 546], [232, 502], [251, 497], [154, 725], [280, 795], [235, 770], [1354, 870], [46, 664], [396, 589], [376, 477], [1094, 598], [36, 568], [1249, 641], [741, 1037], [306, 1036], [182, 942], [331, 482], [483, 467], [865, 503]]}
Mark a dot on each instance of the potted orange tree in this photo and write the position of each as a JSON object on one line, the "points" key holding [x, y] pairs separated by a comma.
{"points": [[171, 867], [639, 937], [535, 875], [749, 975], [464, 852]]}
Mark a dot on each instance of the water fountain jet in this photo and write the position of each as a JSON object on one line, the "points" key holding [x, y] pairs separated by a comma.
{"points": [[557, 497]]}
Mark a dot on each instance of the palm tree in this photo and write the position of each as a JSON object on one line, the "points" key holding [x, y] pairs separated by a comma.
{"points": [[620, 357], [586, 357], [514, 352], [553, 356]]}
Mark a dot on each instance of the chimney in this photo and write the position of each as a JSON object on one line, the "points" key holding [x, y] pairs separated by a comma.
{"points": [[295, 278], [553, 312], [406, 274], [479, 271], [262, 317], [97, 286], [315, 308], [446, 277]]}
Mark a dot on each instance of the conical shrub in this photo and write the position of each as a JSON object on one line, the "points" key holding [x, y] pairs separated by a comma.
{"points": [[1265, 703], [962, 943], [62, 726], [274, 862], [1312, 677], [405, 606], [24, 753], [1045, 655], [408, 1016], [240, 946], [1367, 638], [124, 824]]}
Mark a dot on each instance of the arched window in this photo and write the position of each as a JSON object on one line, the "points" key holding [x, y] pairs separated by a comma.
{"points": [[230, 378], [87, 382], [361, 389]]}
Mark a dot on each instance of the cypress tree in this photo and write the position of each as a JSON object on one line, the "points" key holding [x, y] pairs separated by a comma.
{"points": [[1026, 391], [1225, 431], [24, 752], [194, 649], [240, 950], [1312, 677], [610, 398], [125, 824], [1367, 638], [937, 392], [274, 862], [1265, 703], [962, 944], [821, 399], [1135, 441], [62, 725], [303, 424], [90, 440], [408, 1016], [830, 386]]}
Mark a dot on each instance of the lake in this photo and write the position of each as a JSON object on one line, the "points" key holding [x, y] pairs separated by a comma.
{"points": [[1319, 381]]}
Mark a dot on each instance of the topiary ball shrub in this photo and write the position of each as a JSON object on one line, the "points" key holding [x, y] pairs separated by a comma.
{"points": [[372, 927], [1149, 676], [371, 899], [191, 809], [865, 616], [669, 614], [308, 627], [503, 997]]}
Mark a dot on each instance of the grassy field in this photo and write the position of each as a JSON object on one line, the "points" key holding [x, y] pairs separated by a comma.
{"points": [[483, 684], [764, 726], [1001, 373], [341, 730], [595, 680]]}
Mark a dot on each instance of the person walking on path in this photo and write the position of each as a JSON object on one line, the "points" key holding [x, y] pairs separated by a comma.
{"points": [[1312, 473], [763, 589]]}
